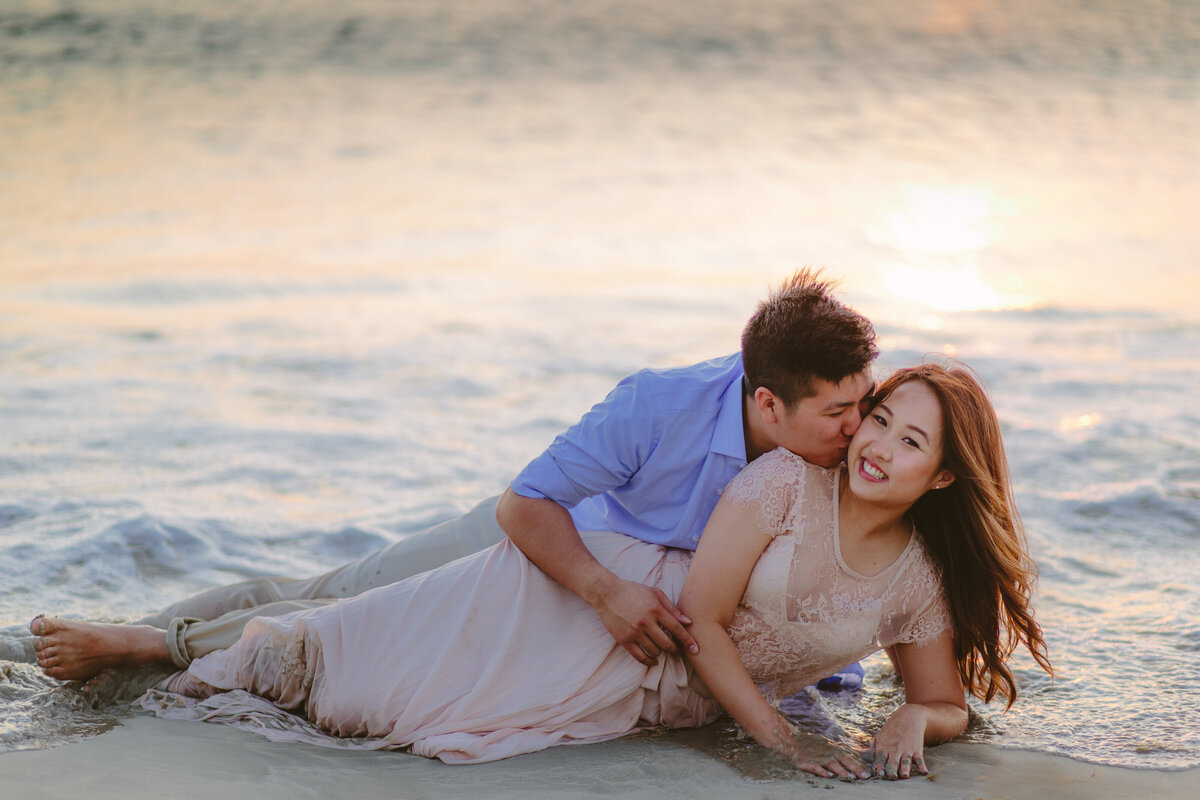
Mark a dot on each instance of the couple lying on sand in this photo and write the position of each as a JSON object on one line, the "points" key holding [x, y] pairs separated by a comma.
{"points": [[838, 519]]}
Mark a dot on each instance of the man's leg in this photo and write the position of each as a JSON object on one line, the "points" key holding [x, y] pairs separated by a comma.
{"points": [[190, 634], [214, 619], [70, 649]]}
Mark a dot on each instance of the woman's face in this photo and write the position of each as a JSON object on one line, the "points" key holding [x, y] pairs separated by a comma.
{"points": [[896, 455]]}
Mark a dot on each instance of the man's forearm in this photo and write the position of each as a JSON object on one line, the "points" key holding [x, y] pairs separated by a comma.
{"points": [[642, 619], [544, 531]]}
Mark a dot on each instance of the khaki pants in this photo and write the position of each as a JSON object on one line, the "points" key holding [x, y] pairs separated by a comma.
{"points": [[213, 620]]}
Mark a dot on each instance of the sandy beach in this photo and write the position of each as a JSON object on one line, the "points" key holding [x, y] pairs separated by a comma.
{"points": [[146, 757]]}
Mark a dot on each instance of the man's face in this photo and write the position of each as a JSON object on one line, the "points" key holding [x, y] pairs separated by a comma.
{"points": [[818, 428]]}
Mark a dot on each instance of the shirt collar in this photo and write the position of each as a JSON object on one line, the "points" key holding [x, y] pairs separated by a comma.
{"points": [[729, 437]]}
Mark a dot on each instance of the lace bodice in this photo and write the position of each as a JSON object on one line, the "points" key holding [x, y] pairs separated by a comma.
{"points": [[805, 613]]}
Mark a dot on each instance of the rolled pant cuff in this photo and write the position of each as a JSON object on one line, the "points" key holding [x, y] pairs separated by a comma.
{"points": [[176, 642]]}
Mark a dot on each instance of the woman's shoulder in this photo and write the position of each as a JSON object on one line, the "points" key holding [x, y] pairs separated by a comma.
{"points": [[777, 481], [782, 464], [784, 461], [920, 568], [921, 611], [781, 467]]}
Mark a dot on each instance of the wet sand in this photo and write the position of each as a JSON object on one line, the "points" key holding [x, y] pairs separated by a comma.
{"points": [[147, 757]]}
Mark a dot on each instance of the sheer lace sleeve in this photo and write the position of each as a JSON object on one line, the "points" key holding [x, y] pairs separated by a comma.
{"points": [[921, 613], [930, 623], [773, 484]]}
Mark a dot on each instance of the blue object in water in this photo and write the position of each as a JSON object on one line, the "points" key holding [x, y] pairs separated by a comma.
{"points": [[845, 680]]}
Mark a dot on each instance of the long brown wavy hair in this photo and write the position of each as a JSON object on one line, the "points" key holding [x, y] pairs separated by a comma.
{"points": [[973, 531]]}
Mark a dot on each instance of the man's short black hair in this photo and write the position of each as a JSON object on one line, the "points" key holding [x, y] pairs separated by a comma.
{"points": [[800, 333]]}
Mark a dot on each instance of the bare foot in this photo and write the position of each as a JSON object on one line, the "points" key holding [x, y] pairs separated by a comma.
{"points": [[70, 649]]}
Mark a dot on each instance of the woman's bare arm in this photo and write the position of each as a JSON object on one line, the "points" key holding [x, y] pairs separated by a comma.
{"points": [[729, 549], [935, 707]]}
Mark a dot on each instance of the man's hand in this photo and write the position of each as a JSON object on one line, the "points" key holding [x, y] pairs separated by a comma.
{"points": [[643, 620]]}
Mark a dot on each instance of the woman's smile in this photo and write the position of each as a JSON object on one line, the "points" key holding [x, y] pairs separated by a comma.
{"points": [[870, 470]]}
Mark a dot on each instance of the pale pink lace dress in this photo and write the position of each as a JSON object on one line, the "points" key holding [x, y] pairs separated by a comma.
{"points": [[487, 657]]}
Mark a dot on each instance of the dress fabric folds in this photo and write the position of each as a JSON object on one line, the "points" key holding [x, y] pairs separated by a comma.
{"points": [[487, 657], [481, 659]]}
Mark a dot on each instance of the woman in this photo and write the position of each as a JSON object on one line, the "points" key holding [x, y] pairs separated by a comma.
{"points": [[800, 571]]}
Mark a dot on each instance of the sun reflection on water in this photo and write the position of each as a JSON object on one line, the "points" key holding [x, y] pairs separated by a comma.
{"points": [[942, 219], [940, 233], [952, 288]]}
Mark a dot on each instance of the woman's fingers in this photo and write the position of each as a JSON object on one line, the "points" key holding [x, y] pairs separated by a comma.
{"points": [[820, 756], [835, 768], [820, 770], [845, 765], [855, 765], [898, 766]]}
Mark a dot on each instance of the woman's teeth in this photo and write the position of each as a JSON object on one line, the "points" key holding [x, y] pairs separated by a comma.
{"points": [[873, 471]]}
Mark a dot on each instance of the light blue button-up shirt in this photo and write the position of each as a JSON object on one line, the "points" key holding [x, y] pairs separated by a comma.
{"points": [[652, 458]]}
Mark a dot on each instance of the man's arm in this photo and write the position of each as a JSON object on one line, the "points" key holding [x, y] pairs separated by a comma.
{"points": [[642, 619]]}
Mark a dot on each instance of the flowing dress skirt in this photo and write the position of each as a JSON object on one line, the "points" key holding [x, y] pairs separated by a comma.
{"points": [[483, 658]]}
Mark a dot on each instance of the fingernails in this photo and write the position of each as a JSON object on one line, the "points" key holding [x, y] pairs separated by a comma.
{"points": [[694, 649]]}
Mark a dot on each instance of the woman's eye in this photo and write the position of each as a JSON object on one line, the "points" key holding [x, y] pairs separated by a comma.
{"points": [[879, 420], [910, 442]]}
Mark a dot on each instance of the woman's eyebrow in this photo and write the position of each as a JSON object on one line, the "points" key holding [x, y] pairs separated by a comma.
{"points": [[909, 425], [920, 431]]}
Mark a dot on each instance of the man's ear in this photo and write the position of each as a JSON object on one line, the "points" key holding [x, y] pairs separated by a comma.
{"points": [[767, 404]]}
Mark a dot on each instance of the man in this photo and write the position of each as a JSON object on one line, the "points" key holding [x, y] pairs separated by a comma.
{"points": [[649, 461]]}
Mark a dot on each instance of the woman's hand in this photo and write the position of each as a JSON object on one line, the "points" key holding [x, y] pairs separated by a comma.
{"points": [[816, 754], [936, 709], [900, 744]]}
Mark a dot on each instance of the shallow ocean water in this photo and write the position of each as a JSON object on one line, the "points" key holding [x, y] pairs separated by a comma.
{"points": [[279, 286]]}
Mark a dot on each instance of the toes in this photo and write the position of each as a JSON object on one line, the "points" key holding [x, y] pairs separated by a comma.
{"points": [[45, 626], [97, 685]]}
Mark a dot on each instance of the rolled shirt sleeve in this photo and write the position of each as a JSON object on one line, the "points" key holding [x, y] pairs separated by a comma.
{"points": [[650, 459], [602, 451]]}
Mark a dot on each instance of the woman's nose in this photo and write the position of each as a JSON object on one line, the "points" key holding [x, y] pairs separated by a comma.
{"points": [[879, 449]]}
